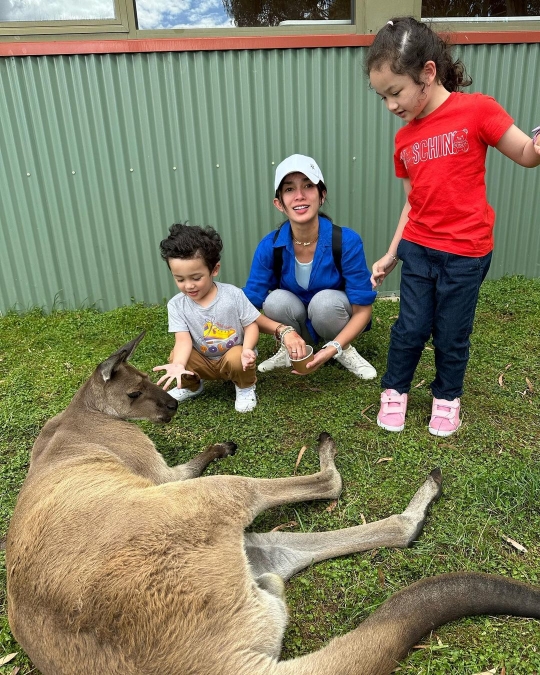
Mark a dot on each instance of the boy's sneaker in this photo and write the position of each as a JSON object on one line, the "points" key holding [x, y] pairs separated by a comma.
{"points": [[393, 408], [245, 399], [184, 394], [444, 417], [279, 360], [352, 360]]}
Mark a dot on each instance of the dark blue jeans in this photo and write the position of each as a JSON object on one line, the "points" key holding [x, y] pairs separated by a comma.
{"points": [[439, 292]]}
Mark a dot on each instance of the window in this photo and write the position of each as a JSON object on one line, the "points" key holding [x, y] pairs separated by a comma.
{"points": [[328, 22], [172, 14], [61, 10], [482, 9], [62, 17]]}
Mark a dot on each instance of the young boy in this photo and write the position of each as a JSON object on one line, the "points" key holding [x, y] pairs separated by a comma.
{"points": [[213, 323]]}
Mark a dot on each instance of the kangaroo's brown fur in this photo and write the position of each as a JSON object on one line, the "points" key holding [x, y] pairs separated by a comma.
{"points": [[118, 564]]}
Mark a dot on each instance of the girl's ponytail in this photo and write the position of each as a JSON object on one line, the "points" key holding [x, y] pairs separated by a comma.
{"points": [[406, 45]]}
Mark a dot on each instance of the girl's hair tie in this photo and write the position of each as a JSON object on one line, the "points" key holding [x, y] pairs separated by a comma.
{"points": [[389, 23]]}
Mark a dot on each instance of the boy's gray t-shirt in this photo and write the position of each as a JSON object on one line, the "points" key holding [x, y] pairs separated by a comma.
{"points": [[216, 328]]}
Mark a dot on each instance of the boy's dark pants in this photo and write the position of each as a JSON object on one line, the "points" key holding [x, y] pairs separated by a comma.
{"points": [[439, 293]]}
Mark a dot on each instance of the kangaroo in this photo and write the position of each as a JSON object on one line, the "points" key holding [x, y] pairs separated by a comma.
{"points": [[120, 564]]}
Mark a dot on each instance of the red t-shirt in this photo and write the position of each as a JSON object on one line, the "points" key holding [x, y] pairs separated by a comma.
{"points": [[443, 155]]}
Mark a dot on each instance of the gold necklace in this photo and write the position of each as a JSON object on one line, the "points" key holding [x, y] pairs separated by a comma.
{"points": [[304, 243]]}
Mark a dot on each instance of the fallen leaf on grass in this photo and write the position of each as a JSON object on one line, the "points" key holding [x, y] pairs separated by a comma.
{"points": [[284, 526], [331, 506], [529, 385], [363, 519], [384, 459], [501, 376], [493, 671], [419, 384], [380, 577], [8, 658], [515, 544], [15, 670], [299, 458]]}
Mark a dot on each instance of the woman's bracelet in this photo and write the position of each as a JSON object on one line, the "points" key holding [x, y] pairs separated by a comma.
{"points": [[287, 329], [394, 257], [276, 332], [535, 133]]}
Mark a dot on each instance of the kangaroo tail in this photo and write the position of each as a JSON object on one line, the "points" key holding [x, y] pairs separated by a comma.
{"points": [[378, 645]]}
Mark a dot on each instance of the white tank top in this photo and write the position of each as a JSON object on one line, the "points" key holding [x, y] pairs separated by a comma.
{"points": [[302, 272]]}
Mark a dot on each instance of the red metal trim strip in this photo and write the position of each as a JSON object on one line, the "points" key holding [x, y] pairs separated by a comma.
{"points": [[54, 47]]}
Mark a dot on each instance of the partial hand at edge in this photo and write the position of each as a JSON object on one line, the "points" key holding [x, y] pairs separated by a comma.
{"points": [[381, 269]]}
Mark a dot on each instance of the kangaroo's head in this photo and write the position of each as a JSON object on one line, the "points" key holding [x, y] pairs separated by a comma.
{"points": [[118, 389]]}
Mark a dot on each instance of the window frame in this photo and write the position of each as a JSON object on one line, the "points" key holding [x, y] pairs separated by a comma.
{"points": [[122, 35], [69, 29]]}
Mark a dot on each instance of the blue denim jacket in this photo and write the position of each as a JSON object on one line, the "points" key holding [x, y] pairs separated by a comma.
{"points": [[354, 280]]}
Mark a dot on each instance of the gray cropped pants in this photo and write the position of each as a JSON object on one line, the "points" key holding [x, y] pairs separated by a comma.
{"points": [[328, 312]]}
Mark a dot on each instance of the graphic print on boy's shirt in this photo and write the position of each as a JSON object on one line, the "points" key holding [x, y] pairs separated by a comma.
{"points": [[217, 338]]}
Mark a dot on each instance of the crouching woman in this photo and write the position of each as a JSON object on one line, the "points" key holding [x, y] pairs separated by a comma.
{"points": [[310, 278]]}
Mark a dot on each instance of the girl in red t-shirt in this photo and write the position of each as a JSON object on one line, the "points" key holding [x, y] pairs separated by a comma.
{"points": [[445, 233]]}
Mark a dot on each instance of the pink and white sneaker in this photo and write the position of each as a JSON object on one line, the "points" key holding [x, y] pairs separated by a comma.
{"points": [[393, 408], [444, 417]]}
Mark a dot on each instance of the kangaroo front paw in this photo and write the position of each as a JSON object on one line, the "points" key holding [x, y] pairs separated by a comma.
{"points": [[226, 449]]}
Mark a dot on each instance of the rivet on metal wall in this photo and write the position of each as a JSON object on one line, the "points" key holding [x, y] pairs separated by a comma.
{"points": [[131, 169], [73, 173], [217, 166], [27, 174], [273, 163], [174, 168]]}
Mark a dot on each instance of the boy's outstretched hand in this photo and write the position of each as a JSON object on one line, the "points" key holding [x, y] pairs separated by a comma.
{"points": [[248, 358], [174, 371]]}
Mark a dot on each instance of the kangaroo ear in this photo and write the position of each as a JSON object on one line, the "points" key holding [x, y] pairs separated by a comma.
{"points": [[110, 366]]}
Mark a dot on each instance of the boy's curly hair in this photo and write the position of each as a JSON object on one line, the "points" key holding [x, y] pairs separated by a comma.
{"points": [[190, 241]]}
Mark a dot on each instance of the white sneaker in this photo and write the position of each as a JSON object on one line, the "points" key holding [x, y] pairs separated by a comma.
{"points": [[352, 360], [279, 360], [245, 399], [184, 394]]}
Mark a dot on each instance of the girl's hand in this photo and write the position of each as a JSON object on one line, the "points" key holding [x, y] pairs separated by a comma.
{"points": [[295, 345], [248, 358], [382, 268], [173, 371]]}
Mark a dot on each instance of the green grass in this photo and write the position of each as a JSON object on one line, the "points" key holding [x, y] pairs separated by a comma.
{"points": [[490, 468]]}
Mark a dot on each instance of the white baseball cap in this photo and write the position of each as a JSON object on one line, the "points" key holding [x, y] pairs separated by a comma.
{"points": [[301, 164]]}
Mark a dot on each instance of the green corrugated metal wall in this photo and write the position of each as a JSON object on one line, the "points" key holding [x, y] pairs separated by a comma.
{"points": [[99, 154]]}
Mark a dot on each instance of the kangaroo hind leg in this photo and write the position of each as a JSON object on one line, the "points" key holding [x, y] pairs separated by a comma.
{"points": [[287, 553]]}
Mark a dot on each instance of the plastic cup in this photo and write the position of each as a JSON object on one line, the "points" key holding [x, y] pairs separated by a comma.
{"points": [[300, 364]]}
